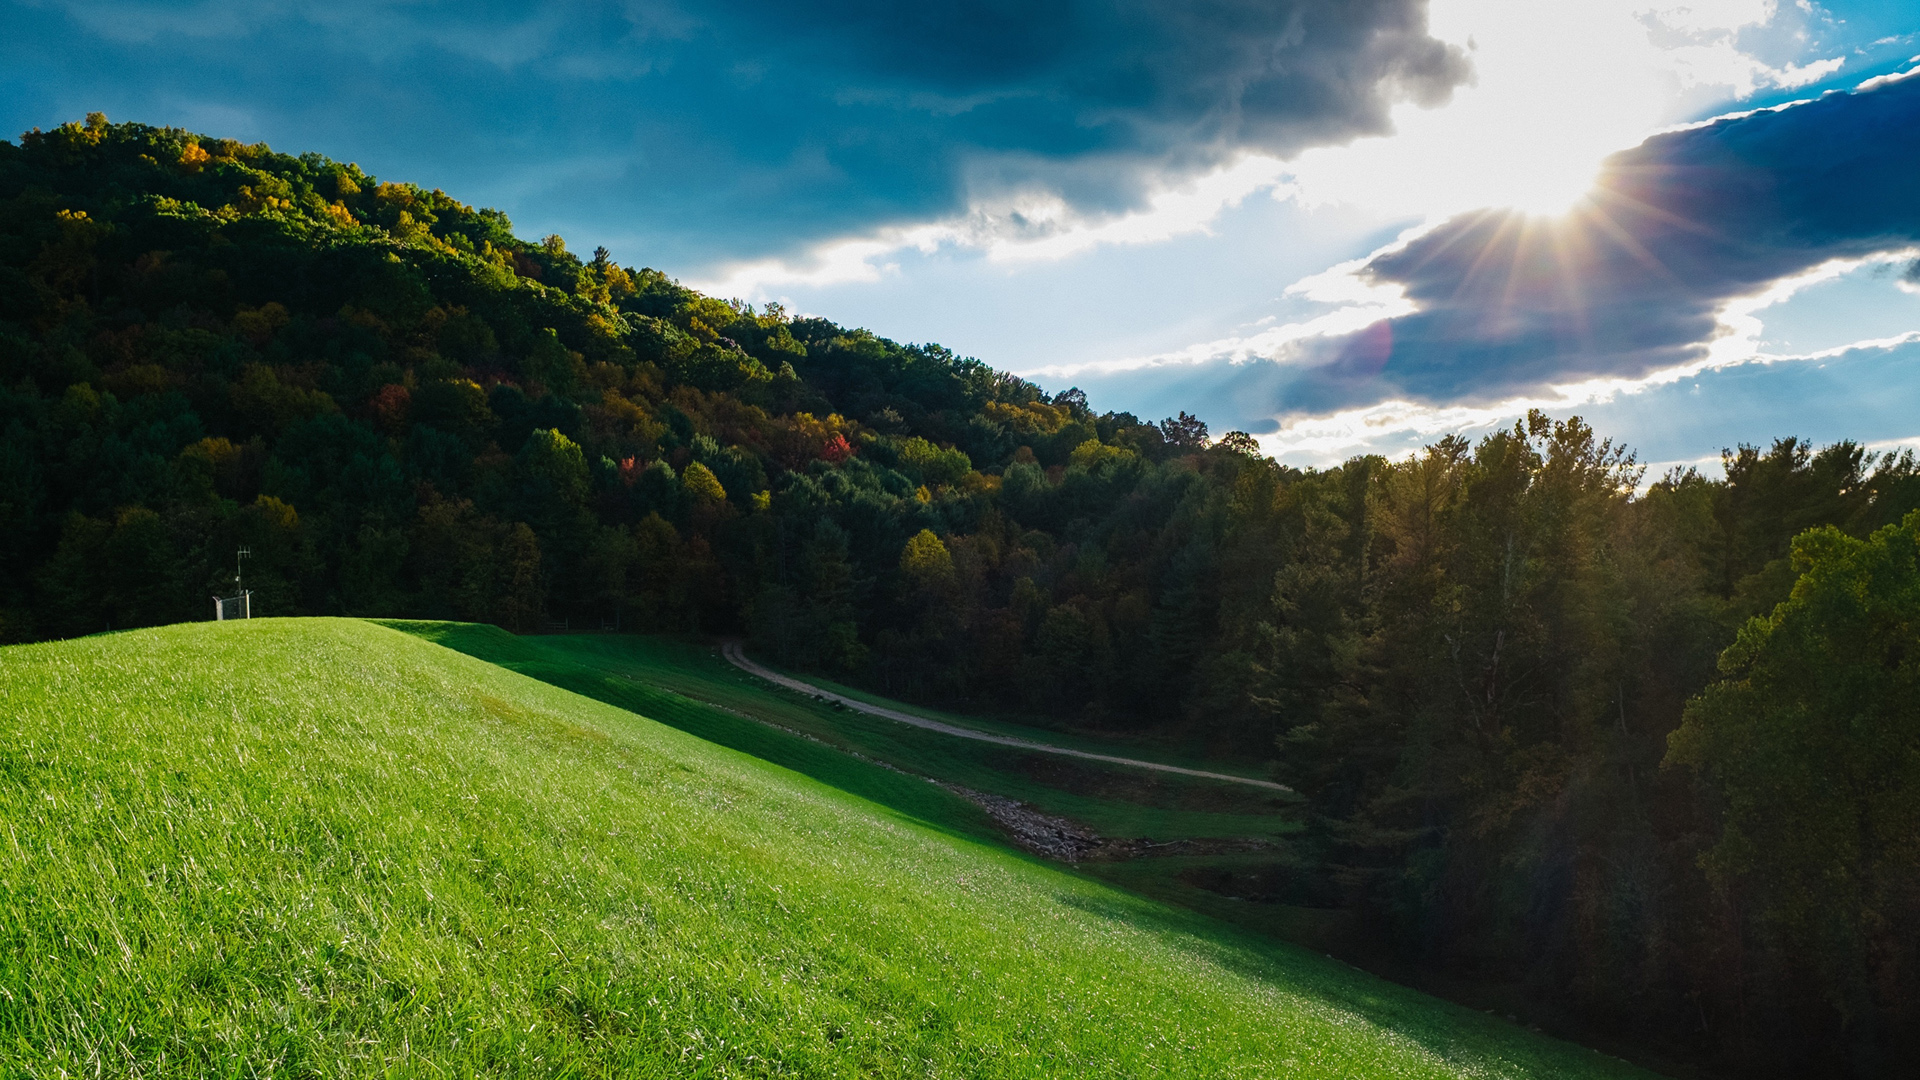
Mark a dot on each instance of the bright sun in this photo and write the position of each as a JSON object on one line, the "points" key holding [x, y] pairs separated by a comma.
{"points": [[1556, 88]]}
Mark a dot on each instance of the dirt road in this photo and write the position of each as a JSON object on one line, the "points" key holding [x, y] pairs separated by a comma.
{"points": [[738, 658]]}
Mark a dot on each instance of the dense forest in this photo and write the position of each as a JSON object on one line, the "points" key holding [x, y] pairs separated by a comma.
{"points": [[1649, 747]]}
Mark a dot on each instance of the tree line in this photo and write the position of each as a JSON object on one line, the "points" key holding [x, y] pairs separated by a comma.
{"points": [[1647, 748]]}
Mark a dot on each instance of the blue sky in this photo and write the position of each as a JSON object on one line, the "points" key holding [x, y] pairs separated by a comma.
{"points": [[1343, 225]]}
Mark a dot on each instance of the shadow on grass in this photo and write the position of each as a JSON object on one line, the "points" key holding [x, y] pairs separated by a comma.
{"points": [[908, 795], [1451, 1032]]}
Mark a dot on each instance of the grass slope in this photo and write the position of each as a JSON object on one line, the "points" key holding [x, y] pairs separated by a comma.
{"points": [[671, 679], [323, 847], [685, 685]]}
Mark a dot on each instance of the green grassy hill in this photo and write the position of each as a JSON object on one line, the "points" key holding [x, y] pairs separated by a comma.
{"points": [[687, 685], [324, 847]]}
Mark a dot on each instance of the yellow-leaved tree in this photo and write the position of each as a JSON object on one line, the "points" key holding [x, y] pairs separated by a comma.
{"points": [[926, 561], [702, 485]]}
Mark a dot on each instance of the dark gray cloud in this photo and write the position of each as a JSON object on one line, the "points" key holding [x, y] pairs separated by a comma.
{"points": [[742, 127], [1629, 283]]}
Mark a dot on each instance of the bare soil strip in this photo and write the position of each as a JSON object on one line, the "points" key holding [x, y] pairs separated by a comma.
{"points": [[738, 658]]}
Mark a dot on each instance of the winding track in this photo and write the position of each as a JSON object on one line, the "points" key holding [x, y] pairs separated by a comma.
{"points": [[738, 658]]}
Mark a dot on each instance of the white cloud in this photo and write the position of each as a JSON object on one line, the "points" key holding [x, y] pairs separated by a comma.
{"points": [[854, 259], [1713, 16], [1908, 444], [1322, 440], [1011, 228], [1357, 303], [1557, 88]]}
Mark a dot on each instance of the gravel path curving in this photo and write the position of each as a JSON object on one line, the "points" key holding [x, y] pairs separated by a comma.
{"points": [[738, 658]]}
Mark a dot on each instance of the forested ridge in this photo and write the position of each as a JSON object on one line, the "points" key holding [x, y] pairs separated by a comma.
{"points": [[1560, 724]]}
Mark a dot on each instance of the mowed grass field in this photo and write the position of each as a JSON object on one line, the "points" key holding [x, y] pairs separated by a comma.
{"points": [[687, 684], [677, 681], [328, 848]]}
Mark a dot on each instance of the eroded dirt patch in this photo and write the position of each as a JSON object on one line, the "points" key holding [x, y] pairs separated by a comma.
{"points": [[1069, 841]]}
